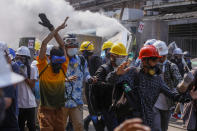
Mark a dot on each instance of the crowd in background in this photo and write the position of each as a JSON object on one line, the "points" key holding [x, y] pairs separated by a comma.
{"points": [[123, 93]]}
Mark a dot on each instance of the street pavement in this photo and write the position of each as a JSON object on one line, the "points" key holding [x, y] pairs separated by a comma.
{"points": [[174, 125]]}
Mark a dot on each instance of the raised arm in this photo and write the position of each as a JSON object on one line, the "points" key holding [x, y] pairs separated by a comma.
{"points": [[44, 45], [46, 23], [58, 37], [50, 37]]}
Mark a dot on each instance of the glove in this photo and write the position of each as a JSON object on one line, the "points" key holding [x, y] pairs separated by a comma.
{"points": [[45, 21], [187, 80]]}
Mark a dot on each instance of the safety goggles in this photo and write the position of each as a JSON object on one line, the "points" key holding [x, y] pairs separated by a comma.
{"points": [[70, 40], [58, 59]]}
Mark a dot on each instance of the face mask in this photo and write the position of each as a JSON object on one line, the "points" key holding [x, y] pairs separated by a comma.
{"points": [[119, 61], [20, 64], [72, 51], [87, 53]]}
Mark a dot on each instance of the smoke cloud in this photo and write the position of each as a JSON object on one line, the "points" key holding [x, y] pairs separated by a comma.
{"points": [[19, 18]]}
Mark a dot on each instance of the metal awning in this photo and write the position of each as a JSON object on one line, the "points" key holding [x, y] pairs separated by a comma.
{"points": [[172, 16]]}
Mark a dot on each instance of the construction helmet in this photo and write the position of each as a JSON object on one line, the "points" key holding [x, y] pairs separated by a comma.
{"points": [[161, 47], [8, 77], [119, 49], [49, 48], [87, 45], [70, 40], [148, 51], [177, 51], [3, 48], [150, 42], [24, 51], [107, 45], [186, 54]]}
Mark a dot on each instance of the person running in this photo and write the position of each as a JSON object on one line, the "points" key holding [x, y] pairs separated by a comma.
{"points": [[26, 97], [77, 74], [93, 61], [150, 83], [171, 76], [103, 90], [51, 112]]}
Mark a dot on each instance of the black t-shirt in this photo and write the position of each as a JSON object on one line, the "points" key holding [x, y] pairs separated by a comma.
{"points": [[10, 122]]}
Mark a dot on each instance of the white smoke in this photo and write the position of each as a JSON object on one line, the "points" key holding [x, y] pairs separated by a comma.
{"points": [[19, 18]]}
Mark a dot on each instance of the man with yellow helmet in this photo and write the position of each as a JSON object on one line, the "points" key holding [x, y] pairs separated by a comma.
{"points": [[103, 99], [87, 50]]}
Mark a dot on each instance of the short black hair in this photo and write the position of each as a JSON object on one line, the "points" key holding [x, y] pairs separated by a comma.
{"points": [[56, 51]]}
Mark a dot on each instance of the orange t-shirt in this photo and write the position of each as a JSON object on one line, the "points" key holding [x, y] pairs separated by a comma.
{"points": [[52, 85]]}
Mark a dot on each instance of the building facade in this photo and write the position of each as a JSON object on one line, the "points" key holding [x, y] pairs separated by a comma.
{"points": [[168, 20], [181, 19]]}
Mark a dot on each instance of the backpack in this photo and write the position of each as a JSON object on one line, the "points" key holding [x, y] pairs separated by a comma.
{"points": [[125, 104]]}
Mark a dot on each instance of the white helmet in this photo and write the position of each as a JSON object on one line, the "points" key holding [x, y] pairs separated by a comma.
{"points": [[7, 77], [49, 48], [177, 51], [23, 50], [161, 47], [3, 48], [150, 42]]}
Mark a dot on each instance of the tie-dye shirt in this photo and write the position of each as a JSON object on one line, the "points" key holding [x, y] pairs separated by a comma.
{"points": [[52, 85], [74, 96]]}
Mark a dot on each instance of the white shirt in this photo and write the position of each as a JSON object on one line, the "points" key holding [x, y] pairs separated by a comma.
{"points": [[161, 102], [26, 98]]}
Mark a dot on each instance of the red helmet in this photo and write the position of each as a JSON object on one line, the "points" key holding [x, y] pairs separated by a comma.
{"points": [[148, 51]]}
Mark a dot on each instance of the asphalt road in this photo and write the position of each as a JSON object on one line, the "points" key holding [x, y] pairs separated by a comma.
{"points": [[174, 125]]}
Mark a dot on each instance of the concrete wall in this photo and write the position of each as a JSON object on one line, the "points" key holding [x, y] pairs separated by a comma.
{"points": [[153, 29]]}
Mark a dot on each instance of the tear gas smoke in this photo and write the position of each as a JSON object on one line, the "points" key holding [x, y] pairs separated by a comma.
{"points": [[19, 18]]}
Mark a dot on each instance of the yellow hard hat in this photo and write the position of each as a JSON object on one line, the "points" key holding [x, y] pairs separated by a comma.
{"points": [[119, 49], [37, 45], [87, 45], [107, 45]]}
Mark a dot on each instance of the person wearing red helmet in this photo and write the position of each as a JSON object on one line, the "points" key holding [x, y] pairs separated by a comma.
{"points": [[149, 84]]}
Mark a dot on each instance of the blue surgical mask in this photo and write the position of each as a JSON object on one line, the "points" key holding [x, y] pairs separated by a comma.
{"points": [[119, 61], [72, 51]]}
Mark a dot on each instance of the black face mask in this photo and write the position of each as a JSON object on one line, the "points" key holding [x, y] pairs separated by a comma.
{"points": [[177, 59], [87, 53], [56, 68]]}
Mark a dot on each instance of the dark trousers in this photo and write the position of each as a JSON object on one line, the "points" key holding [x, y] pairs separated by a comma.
{"points": [[98, 125], [160, 119], [27, 114], [110, 120]]}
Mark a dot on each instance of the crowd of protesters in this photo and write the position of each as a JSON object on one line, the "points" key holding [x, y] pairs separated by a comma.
{"points": [[122, 93]]}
